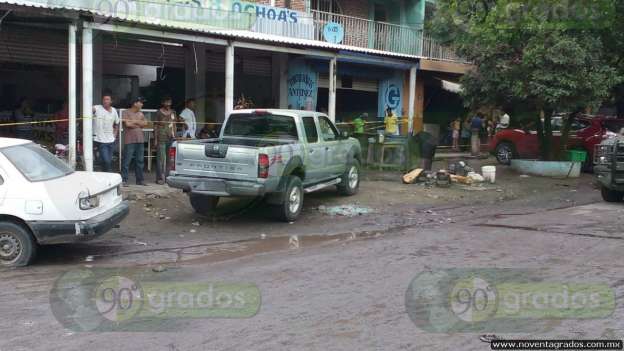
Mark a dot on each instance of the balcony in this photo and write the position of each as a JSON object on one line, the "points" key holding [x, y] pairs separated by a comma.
{"points": [[364, 33]]}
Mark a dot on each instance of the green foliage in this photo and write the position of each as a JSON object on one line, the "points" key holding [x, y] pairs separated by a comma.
{"points": [[544, 55]]}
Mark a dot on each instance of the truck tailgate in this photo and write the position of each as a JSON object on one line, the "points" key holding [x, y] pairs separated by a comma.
{"points": [[217, 160]]}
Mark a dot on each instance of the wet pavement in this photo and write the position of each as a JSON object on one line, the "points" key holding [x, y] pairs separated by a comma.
{"points": [[335, 279]]}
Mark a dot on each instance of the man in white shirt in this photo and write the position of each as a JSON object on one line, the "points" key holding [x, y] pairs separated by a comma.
{"points": [[190, 121], [105, 124]]}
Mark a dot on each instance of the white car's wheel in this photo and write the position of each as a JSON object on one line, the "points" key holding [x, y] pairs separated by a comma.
{"points": [[17, 246]]}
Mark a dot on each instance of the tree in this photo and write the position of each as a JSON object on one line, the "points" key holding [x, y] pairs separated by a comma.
{"points": [[545, 55]]}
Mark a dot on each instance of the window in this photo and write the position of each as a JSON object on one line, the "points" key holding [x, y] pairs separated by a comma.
{"points": [[36, 163], [328, 131], [261, 126], [331, 6], [310, 129], [578, 125]]}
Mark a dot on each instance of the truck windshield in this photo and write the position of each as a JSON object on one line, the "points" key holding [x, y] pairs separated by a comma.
{"points": [[261, 126], [36, 163]]}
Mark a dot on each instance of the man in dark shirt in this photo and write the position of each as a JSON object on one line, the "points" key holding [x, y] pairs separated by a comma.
{"points": [[134, 121], [475, 140]]}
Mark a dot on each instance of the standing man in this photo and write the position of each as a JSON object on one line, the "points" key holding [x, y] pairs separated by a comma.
{"points": [[190, 121], [359, 123], [391, 123], [134, 122], [164, 133], [105, 124], [475, 139]]}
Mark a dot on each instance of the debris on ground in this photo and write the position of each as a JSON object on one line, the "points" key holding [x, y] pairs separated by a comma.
{"points": [[460, 168], [195, 224], [461, 179], [412, 176], [140, 243], [345, 210], [525, 176], [443, 180], [476, 177], [89, 258], [193, 231], [159, 269]]}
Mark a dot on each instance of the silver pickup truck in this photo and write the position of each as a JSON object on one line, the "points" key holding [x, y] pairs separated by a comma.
{"points": [[277, 154]]}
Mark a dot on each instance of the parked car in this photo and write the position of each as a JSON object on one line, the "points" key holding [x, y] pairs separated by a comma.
{"points": [[277, 154], [585, 134], [609, 168], [43, 201]]}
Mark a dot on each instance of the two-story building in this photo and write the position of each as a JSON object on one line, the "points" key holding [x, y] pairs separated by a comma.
{"points": [[345, 57]]}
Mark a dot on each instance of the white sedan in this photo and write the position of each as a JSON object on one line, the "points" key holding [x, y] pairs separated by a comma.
{"points": [[43, 201]]}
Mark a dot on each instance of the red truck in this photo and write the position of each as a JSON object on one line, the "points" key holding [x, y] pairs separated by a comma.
{"points": [[587, 131]]}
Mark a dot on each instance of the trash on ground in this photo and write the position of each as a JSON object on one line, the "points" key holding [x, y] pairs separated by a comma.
{"points": [[461, 179], [159, 269], [525, 176], [476, 177], [140, 243], [345, 210], [460, 168], [193, 231], [411, 177], [195, 224], [89, 259], [443, 180]]}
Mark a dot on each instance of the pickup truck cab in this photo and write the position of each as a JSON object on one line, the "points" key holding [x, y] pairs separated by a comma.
{"points": [[609, 168], [43, 201], [277, 154]]}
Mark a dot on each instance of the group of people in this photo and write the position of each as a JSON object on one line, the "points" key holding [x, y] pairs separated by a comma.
{"points": [[106, 122], [476, 129]]}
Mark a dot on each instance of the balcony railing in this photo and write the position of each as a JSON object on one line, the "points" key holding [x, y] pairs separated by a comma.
{"points": [[364, 33]]}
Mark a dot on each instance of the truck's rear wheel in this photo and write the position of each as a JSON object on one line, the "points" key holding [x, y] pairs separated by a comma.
{"points": [[350, 179], [292, 200], [17, 246], [611, 195], [204, 204]]}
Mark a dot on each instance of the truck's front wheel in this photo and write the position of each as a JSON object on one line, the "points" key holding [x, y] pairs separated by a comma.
{"points": [[204, 204], [292, 200], [17, 246], [611, 195]]}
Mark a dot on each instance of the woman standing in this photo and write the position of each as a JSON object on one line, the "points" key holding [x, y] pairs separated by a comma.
{"points": [[164, 133]]}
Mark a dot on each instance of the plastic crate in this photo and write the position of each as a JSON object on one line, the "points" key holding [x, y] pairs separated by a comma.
{"points": [[577, 156]]}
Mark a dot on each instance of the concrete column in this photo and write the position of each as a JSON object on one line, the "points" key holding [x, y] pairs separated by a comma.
{"points": [[283, 81], [412, 99], [331, 110], [195, 78], [229, 79], [87, 98], [71, 94]]}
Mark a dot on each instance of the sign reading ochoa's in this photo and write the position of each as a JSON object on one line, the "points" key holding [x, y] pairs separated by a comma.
{"points": [[188, 14]]}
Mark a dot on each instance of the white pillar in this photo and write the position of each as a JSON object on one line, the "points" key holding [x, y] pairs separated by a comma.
{"points": [[229, 79], [412, 99], [71, 95], [87, 98], [331, 110]]}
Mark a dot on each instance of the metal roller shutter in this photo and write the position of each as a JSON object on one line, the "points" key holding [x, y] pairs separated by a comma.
{"points": [[142, 53], [36, 46]]}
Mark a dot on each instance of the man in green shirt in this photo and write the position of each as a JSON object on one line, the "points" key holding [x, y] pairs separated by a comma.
{"points": [[359, 122]]}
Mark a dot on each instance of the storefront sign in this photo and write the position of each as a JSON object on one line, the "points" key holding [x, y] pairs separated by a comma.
{"points": [[188, 14], [390, 94], [302, 86], [333, 33]]}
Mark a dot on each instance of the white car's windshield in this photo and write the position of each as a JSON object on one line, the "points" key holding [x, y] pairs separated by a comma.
{"points": [[36, 163]]}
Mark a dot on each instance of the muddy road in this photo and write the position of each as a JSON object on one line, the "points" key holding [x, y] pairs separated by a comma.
{"points": [[338, 278]]}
